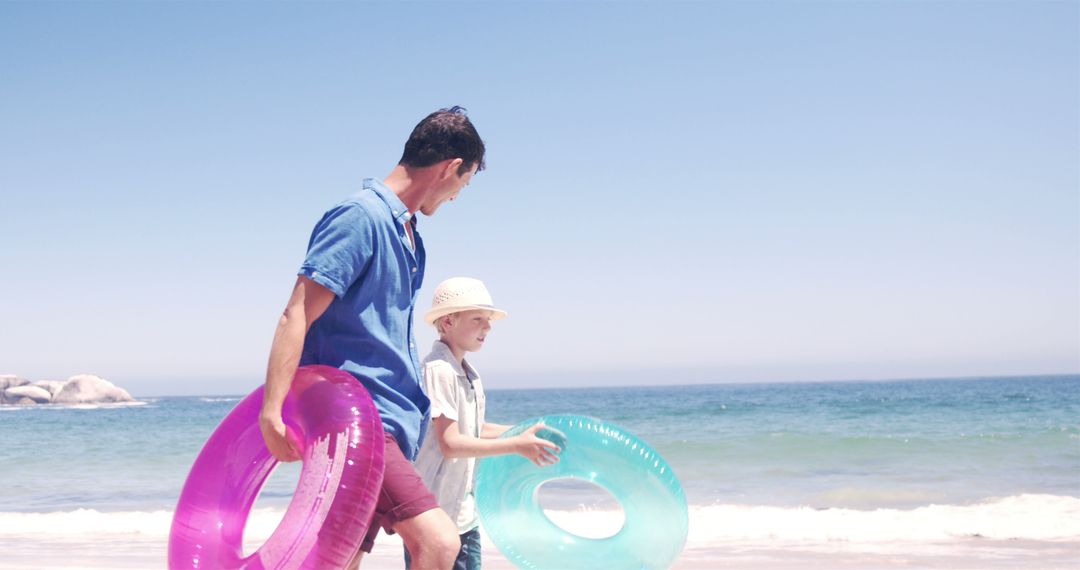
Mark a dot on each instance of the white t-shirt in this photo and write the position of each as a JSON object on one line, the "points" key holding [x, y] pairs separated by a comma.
{"points": [[457, 394]]}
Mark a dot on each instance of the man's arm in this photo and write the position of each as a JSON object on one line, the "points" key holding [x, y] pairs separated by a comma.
{"points": [[453, 443], [308, 302]]}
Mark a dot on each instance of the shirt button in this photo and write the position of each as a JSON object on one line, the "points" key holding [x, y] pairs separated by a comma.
{"points": [[414, 270]]}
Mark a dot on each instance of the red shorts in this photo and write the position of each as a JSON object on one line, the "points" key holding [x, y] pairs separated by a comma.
{"points": [[403, 495]]}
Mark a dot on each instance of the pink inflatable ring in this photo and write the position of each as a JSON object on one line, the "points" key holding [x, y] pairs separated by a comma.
{"points": [[339, 431]]}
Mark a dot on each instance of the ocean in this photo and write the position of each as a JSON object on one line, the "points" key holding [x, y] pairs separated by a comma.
{"points": [[979, 472]]}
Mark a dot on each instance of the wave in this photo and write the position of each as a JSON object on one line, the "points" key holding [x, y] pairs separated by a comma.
{"points": [[1023, 517], [222, 399], [1030, 517], [100, 406], [134, 404], [1020, 517]]}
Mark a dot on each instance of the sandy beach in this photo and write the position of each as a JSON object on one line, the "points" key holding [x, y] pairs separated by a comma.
{"points": [[149, 554]]}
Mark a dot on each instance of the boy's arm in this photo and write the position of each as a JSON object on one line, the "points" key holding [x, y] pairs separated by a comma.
{"points": [[492, 431], [453, 443], [307, 303]]}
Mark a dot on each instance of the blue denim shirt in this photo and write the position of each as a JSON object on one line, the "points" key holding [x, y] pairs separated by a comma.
{"points": [[360, 251]]}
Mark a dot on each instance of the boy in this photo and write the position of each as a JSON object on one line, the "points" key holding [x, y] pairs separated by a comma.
{"points": [[462, 312]]}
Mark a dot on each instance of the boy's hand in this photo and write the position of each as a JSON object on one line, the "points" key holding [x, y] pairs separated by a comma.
{"points": [[275, 435], [537, 449]]}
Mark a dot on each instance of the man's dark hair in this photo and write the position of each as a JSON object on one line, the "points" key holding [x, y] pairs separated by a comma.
{"points": [[444, 134]]}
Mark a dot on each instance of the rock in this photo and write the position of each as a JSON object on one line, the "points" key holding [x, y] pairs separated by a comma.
{"points": [[53, 386], [10, 381], [36, 394], [81, 389], [90, 389]]}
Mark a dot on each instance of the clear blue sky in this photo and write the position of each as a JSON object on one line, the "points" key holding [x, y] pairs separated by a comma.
{"points": [[676, 192]]}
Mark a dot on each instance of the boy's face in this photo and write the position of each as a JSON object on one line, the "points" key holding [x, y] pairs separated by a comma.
{"points": [[467, 330]]}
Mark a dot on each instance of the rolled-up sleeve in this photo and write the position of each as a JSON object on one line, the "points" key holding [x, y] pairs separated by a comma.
{"points": [[340, 248], [440, 381]]}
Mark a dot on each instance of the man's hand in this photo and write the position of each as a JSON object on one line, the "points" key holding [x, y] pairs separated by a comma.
{"points": [[537, 449], [275, 434], [308, 302]]}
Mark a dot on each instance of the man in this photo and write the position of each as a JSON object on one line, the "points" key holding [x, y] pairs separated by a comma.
{"points": [[351, 308]]}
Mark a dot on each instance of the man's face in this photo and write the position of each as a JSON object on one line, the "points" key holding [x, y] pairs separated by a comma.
{"points": [[448, 190]]}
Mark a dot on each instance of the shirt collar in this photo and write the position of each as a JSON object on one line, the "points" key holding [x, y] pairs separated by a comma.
{"points": [[398, 208], [442, 352]]}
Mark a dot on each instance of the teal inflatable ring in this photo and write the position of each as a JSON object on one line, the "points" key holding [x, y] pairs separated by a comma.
{"points": [[605, 455]]}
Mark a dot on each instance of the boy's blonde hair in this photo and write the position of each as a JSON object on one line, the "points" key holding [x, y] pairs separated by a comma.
{"points": [[440, 321]]}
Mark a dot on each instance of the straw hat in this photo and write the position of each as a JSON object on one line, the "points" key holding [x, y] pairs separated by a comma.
{"points": [[461, 294]]}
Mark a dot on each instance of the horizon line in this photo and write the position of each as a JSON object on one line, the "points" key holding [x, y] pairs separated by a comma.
{"points": [[721, 383]]}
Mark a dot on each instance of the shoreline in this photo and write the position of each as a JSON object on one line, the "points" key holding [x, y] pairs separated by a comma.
{"points": [[141, 543], [147, 553]]}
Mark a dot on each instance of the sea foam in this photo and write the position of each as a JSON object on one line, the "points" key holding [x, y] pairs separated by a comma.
{"points": [[1031, 517], [1020, 517]]}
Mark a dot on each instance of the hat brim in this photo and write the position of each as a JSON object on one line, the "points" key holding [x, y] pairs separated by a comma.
{"points": [[435, 314]]}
